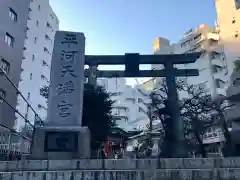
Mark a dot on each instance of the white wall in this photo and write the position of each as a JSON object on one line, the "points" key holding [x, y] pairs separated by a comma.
{"points": [[129, 103], [194, 42], [42, 25], [228, 18]]}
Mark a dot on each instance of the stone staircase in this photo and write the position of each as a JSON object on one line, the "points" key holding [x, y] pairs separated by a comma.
{"points": [[123, 169]]}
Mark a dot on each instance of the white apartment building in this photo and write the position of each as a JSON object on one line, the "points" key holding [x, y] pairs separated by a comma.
{"points": [[228, 25], [212, 64], [35, 68], [130, 109]]}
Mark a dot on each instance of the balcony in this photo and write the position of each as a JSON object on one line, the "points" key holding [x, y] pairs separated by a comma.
{"points": [[232, 113], [213, 36], [118, 117], [221, 74], [215, 48], [217, 62], [233, 93], [213, 137], [199, 39]]}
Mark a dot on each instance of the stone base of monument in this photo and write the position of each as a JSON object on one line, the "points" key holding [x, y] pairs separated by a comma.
{"points": [[60, 143]]}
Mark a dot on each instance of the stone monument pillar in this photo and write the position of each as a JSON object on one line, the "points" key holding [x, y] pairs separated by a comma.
{"points": [[62, 136]]}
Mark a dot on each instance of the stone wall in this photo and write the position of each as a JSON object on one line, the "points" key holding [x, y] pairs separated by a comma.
{"points": [[126, 169]]}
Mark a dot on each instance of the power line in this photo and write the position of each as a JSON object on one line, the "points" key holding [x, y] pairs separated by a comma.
{"points": [[15, 110], [18, 92]]}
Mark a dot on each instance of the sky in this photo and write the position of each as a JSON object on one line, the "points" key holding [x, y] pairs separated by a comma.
{"points": [[130, 26]]}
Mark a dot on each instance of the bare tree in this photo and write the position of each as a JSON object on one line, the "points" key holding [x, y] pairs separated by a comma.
{"points": [[198, 112]]}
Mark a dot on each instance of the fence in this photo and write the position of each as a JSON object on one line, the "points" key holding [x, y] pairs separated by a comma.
{"points": [[126, 169], [13, 146], [15, 142]]}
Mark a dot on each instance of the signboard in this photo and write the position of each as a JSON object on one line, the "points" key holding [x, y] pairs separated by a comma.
{"points": [[67, 79], [61, 141]]}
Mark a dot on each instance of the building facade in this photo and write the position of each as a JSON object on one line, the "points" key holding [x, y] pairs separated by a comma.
{"points": [[13, 18], [213, 74], [232, 114], [130, 109], [26, 38], [42, 25], [228, 25]]}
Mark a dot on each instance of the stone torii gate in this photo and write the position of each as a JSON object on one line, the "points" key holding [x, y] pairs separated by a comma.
{"points": [[132, 62]]}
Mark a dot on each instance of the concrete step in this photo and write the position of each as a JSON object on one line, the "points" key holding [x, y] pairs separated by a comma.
{"points": [[119, 164], [160, 174]]}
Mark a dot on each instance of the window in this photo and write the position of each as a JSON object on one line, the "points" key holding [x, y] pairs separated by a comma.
{"points": [[48, 25], [2, 95], [198, 37], [41, 107], [185, 43], [30, 76], [29, 13], [27, 29], [51, 16], [28, 96], [216, 68], [5, 66], [37, 23], [44, 63], [116, 94], [236, 82], [214, 55], [44, 78], [33, 57], [9, 40], [35, 40], [203, 85], [237, 4], [132, 100], [196, 48], [27, 111], [47, 37], [141, 110], [219, 83], [13, 15], [46, 50], [236, 34]]}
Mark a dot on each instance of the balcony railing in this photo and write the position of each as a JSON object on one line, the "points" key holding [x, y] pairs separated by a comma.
{"points": [[232, 113], [213, 36], [233, 92], [213, 137]]}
